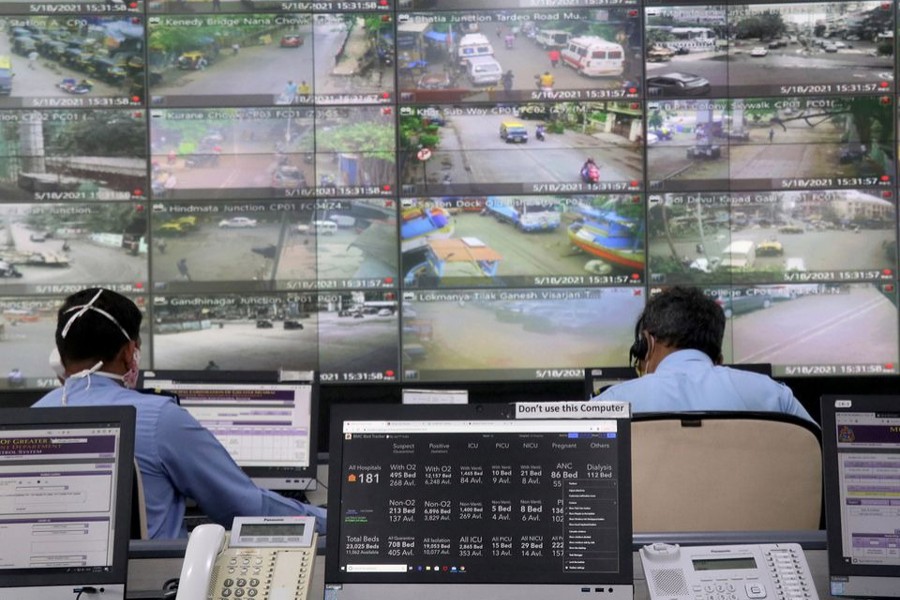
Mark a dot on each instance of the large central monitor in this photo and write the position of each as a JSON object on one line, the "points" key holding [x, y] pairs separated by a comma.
{"points": [[65, 501], [268, 426], [861, 441], [468, 501]]}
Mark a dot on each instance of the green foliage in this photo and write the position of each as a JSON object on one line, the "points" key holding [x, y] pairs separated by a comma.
{"points": [[765, 25], [115, 133]]}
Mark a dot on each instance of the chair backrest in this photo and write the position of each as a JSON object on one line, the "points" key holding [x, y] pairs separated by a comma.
{"points": [[138, 507], [729, 471]]}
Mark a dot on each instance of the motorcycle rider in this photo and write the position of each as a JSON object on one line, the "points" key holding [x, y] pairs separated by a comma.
{"points": [[539, 132], [545, 81], [590, 172]]}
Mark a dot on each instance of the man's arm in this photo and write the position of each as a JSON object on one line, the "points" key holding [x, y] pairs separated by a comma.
{"points": [[201, 468]]}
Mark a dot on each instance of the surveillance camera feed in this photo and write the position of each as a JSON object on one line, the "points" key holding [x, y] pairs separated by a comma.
{"points": [[423, 191]]}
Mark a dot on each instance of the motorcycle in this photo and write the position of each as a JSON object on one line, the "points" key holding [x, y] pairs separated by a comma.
{"points": [[543, 84], [539, 133], [327, 181], [9, 270], [590, 173], [70, 86], [510, 41]]}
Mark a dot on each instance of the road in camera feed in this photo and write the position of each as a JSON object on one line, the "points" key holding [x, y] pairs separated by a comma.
{"points": [[792, 65], [327, 342], [267, 68], [526, 60], [595, 329], [857, 325], [41, 78], [471, 151], [241, 254]]}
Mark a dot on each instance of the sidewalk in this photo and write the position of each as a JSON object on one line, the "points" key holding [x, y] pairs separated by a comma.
{"points": [[352, 60]]}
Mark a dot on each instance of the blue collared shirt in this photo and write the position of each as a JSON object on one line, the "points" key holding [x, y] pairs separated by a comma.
{"points": [[179, 458], [687, 380]]}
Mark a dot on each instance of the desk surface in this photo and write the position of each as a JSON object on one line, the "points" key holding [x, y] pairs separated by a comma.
{"points": [[151, 564]]}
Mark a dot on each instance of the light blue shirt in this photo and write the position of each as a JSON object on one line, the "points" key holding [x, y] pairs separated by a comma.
{"points": [[687, 380], [179, 458]]}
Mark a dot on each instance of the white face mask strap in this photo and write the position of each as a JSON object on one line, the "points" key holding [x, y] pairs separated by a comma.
{"points": [[79, 375], [90, 306]]}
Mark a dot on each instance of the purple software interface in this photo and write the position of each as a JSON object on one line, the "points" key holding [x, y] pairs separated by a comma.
{"points": [[861, 438], [268, 428]]}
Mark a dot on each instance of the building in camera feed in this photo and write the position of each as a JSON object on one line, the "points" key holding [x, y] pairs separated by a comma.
{"points": [[414, 191]]}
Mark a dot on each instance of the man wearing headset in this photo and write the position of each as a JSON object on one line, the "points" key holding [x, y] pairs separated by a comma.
{"points": [[677, 351], [98, 339]]}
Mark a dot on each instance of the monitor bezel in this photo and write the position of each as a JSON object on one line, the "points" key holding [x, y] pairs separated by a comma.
{"points": [[121, 417], [226, 377], [422, 412], [834, 522]]}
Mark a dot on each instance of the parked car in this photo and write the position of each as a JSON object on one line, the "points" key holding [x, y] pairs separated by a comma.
{"points": [[743, 301], [791, 229], [659, 54], [677, 84], [237, 222], [288, 176], [769, 248], [707, 151]]}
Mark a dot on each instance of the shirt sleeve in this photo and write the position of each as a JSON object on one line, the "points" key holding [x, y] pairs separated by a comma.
{"points": [[201, 468], [790, 404]]}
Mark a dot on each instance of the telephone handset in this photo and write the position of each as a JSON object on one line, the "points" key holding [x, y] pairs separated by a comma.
{"points": [[265, 558], [739, 572]]}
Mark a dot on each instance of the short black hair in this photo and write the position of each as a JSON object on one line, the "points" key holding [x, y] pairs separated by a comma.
{"points": [[686, 318], [92, 335]]}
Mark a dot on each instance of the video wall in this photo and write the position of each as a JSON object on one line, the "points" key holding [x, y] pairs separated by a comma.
{"points": [[415, 191]]}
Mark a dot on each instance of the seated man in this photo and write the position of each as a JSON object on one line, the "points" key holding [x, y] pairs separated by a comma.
{"points": [[97, 335], [678, 351]]}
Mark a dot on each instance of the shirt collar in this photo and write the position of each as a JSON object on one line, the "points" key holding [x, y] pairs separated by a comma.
{"points": [[682, 357]]}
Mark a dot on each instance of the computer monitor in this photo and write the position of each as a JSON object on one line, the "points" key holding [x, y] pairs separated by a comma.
{"points": [[452, 502], [65, 501], [269, 426], [861, 445]]}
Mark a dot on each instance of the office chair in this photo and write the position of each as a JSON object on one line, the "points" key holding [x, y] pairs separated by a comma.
{"points": [[138, 507], [725, 471]]}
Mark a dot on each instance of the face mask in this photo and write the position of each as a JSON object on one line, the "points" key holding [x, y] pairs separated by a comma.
{"points": [[129, 379], [55, 361]]}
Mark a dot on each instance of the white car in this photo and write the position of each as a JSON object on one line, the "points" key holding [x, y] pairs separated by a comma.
{"points": [[759, 51], [237, 222]]}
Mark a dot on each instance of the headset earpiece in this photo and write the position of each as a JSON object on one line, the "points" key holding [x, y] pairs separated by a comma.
{"points": [[639, 348]]}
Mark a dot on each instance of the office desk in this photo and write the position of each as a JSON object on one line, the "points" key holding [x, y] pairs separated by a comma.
{"points": [[153, 563]]}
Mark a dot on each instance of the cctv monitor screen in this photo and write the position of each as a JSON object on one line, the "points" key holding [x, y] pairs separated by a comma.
{"points": [[269, 427], [409, 516], [65, 500], [418, 191]]}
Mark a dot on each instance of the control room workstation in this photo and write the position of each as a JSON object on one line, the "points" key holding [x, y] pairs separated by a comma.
{"points": [[449, 501]]}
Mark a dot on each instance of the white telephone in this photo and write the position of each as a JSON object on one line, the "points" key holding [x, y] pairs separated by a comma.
{"points": [[740, 572], [266, 558]]}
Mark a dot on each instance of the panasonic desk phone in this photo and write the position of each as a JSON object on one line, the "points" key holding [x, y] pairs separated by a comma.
{"points": [[740, 572], [265, 558]]}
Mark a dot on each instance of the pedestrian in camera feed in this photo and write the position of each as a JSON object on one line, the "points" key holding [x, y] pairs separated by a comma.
{"points": [[183, 269], [554, 57], [677, 352]]}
